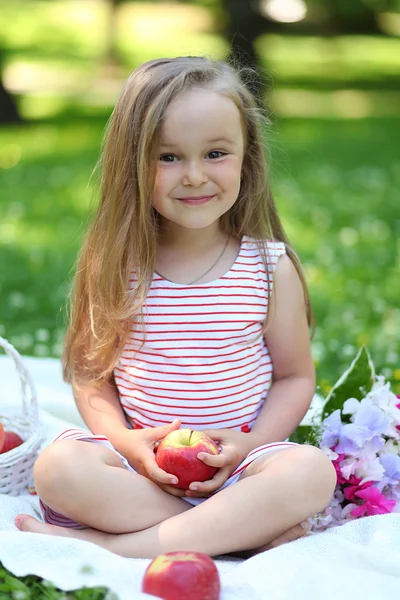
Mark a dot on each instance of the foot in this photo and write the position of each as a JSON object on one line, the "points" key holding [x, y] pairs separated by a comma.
{"points": [[28, 523], [292, 534]]}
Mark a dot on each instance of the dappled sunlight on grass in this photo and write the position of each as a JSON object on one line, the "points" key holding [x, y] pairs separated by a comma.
{"points": [[335, 58], [338, 192], [349, 104]]}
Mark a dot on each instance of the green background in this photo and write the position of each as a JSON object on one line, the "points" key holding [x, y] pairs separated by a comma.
{"points": [[335, 163]]}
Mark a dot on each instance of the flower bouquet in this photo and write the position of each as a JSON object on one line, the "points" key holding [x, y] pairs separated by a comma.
{"points": [[358, 427]]}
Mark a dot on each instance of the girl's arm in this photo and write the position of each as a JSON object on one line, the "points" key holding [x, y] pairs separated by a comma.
{"points": [[288, 341], [101, 410]]}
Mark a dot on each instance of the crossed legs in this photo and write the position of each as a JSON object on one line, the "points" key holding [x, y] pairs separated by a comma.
{"points": [[131, 516]]}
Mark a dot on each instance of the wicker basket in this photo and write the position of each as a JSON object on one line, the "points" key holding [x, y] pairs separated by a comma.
{"points": [[16, 466]]}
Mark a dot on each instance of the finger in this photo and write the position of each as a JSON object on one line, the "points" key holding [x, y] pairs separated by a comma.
{"points": [[211, 485], [214, 460], [157, 474], [158, 433], [191, 494], [173, 491], [215, 434]]}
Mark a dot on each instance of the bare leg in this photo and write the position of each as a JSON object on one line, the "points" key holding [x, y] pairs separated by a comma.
{"points": [[274, 497], [90, 484]]}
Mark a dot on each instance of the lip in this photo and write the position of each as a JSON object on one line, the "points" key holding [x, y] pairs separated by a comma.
{"points": [[196, 200]]}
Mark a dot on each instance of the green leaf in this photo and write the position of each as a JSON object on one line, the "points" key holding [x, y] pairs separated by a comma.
{"points": [[306, 434], [356, 382], [300, 435]]}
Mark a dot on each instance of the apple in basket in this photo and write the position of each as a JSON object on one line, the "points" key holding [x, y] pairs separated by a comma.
{"points": [[177, 454], [8, 440], [182, 576]]}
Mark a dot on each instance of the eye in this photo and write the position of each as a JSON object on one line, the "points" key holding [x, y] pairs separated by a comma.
{"points": [[216, 154], [167, 158]]}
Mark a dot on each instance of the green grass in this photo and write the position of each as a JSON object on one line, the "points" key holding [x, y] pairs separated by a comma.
{"points": [[336, 183], [34, 588]]}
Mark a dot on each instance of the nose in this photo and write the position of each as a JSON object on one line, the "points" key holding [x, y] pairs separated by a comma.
{"points": [[194, 174]]}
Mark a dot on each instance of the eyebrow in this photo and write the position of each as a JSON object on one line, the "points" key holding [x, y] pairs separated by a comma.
{"points": [[213, 141]]}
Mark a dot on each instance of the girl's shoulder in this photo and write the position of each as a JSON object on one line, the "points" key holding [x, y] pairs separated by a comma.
{"points": [[267, 250]]}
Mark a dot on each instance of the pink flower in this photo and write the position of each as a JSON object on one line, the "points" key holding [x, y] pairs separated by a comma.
{"points": [[350, 490], [375, 503], [398, 406], [339, 476]]}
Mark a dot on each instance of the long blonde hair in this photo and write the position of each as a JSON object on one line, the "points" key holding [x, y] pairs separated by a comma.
{"points": [[122, 236]]}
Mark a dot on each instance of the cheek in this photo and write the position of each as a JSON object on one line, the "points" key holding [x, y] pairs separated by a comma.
{"points": [[164, 182], [230, 177]]}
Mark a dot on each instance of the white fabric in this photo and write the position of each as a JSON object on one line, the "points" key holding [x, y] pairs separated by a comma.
{"points": [[358, 560]]}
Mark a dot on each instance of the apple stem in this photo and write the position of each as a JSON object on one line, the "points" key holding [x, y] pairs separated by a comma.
{"points": [[190, 436]]}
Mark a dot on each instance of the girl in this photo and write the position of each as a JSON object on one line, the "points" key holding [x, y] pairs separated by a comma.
{"points": [[190, 308]]}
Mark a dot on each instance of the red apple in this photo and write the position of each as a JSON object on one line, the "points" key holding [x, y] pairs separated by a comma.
{"points": [[177, 454], [2, 437], [11, 441], [182, 576]]}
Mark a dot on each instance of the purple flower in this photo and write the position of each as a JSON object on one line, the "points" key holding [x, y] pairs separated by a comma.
{"points": [[391, 464], [372, 418], [370, 423], [332, 430]]}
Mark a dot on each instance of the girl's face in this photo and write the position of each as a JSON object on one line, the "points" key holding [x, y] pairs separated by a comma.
{"points": [[199, 161]]}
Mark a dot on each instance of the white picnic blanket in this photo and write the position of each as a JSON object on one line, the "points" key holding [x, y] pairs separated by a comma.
{"points": [[358, 560]]}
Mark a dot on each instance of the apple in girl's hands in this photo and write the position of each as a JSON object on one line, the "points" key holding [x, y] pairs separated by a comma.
{"points": [[182, 576], [177, 454]]}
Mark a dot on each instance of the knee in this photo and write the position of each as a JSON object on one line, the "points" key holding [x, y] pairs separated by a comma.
{"points": [[54, 466], [318, 472]]}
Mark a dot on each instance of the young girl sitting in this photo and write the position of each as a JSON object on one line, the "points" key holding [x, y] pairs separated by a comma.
{"points": [[190, 309]]}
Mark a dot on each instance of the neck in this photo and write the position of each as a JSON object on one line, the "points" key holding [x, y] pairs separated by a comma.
{"points": [[180, 238]]}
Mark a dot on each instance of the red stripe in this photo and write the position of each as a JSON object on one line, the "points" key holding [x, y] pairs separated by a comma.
{"points": [[214, 312], [175, 297], [233, 286], [135, 419], [201, 414], [283, 444], [180, 349], [254, 324], [139, 385], [208, 287], [242, 416], [199, 323], [198, 406], [244, 271], [193, 339], [263, 383], [197, 365]]}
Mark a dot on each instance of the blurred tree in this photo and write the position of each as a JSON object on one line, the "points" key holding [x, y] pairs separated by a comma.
{"points": [[111, 54], [8, 109], [350, 16], [244, 24]]}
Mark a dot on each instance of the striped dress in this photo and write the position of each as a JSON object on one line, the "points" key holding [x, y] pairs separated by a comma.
{"points": [[201, 357]]}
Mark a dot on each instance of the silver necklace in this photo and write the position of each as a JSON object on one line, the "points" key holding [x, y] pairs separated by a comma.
{"points": [[208, 270]]}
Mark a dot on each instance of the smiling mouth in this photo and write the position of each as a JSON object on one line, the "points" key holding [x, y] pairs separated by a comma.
{"points": [[196, 199]]}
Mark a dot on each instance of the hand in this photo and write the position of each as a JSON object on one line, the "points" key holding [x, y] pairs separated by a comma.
{"points": [[235, 446], [139, 450]]}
